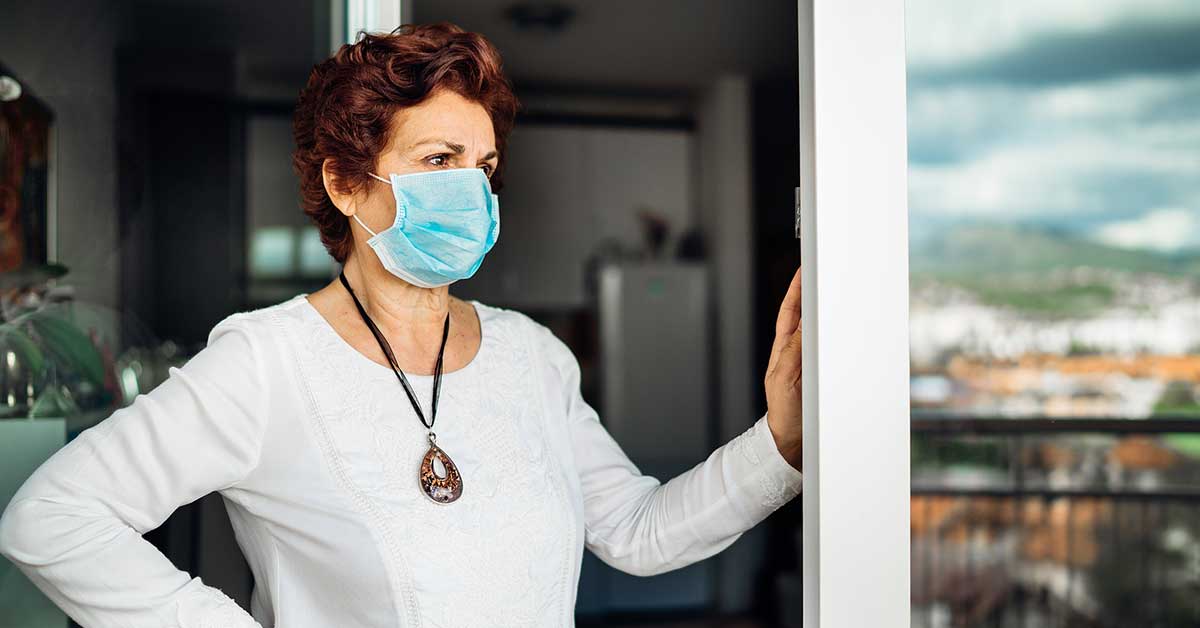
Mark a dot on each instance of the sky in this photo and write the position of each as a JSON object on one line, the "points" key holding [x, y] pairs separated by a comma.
{"points": [[1081, 115]]}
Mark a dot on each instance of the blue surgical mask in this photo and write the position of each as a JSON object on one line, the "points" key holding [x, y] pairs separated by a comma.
{"points": [[446, 221]]}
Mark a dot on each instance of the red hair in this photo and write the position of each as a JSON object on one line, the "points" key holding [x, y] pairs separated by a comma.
{"points": [[345, 111]]}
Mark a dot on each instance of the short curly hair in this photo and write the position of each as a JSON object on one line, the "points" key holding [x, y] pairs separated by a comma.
{"points": [[346, 109]]}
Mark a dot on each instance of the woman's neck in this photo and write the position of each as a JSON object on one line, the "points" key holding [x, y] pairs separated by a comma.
{"points": [[404, 313]]}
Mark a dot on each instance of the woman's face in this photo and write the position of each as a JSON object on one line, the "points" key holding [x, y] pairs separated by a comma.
{"points": [[444, 131]]}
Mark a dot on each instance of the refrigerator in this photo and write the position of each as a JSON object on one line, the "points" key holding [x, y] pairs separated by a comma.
{"points": [[656, 399]]}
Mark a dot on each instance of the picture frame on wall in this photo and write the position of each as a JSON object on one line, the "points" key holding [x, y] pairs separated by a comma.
{"points": [[26, 181]]}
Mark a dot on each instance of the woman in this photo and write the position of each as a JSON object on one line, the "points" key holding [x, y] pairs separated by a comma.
{"points": [[315, 418]]}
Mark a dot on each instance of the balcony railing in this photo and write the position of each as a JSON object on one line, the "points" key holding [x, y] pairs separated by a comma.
{"points": [[1055, 522]]}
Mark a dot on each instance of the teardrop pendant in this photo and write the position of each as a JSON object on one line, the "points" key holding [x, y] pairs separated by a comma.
{"points": [[441, 489]]}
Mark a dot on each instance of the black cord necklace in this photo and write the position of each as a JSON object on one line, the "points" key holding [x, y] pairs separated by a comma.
{"points": [[441, 489]]}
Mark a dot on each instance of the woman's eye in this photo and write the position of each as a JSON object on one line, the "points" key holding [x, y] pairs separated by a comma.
{"points": [[444, 160]]}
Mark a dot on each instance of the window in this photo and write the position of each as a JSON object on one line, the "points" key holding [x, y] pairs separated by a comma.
{"points": [[1054, 195]]}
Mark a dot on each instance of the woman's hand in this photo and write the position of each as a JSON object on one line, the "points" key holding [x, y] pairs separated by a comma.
{"points": [[783, 377]]}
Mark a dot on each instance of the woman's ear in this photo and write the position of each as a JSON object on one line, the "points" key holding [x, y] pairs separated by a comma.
{"points": [[346, 202]]}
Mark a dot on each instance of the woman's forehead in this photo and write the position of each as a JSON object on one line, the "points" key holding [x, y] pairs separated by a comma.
{"points": [[444, 117]]}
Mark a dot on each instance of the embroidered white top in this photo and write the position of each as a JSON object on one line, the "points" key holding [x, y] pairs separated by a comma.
{"points": [[315, 448]]}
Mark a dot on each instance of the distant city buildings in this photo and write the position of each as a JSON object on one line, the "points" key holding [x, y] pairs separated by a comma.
{"points": [[1116, 358]]}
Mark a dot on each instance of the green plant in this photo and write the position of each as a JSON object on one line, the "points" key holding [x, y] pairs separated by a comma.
{"points": [[1178, 400], [44, 337]]}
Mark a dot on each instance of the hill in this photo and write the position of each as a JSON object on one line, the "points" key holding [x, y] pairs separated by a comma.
{"points": [[972, 250], [1021, 267]]}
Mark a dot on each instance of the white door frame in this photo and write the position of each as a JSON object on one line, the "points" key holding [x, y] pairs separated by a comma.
{"points": [[348, 17], [854, 229]]}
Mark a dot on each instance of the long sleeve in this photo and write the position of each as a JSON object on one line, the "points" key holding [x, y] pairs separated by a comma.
{"points": [[639, 525], [75, 526]]}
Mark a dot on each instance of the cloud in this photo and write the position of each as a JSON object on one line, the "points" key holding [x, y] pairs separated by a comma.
{"points": [[1139, 47], [1089, 152], [1083, 114], [1070, 178], [941, 32], [963, 120], [1166, 229]]}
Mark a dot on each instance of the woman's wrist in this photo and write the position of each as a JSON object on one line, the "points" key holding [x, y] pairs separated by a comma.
{"points": [[791, 450]]}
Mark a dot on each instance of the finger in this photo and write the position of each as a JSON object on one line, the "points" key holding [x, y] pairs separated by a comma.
{"points": [[787, 321], [790, 363], [781, 341], [786, 353], [789, 310]]}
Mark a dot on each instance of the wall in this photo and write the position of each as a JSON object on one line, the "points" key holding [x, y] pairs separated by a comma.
{"points": [[572, 192], [724, 164]]}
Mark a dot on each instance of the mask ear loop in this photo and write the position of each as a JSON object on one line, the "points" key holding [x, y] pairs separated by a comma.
{"points": [[355, 216], [364, 226]]}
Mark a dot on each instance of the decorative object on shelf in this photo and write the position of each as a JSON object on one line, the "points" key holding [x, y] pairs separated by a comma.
{"points": [[49, 365], [10, 89]]}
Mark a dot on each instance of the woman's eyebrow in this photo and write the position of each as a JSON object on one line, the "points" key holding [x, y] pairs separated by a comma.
{"points": [[454, 147]]}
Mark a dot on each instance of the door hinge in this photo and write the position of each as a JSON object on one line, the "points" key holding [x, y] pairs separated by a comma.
{"points": [[797, 212]]}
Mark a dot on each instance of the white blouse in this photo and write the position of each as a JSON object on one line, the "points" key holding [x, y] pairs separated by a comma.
{"points": [[315, 450]]}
